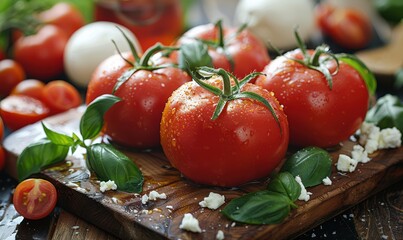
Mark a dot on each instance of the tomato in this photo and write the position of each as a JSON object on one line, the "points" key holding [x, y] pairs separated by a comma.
{"points": [[2, 158], [135, 121], [35, 198], [347, 27], [65, 16], [11, 73], [2, 54], [240, 53], [243, 143], [29, 87], [1, 129], [60, 96], [18, 111], [41, 54], [317, 114]]}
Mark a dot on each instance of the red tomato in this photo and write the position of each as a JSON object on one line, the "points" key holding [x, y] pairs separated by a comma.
{"points": [[318, 115], [11, 73], [41, 55], [1, 129], [60, 96], [135, 121], [244, 143], [2, 158], [65, 16], [347, 27], [18, 111], [35, 198], [29, 87], [246, 51], [2, 54]]}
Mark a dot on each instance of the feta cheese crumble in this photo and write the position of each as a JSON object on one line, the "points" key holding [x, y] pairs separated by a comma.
{"points": [[326, 181], [390, 138], [213, 201], [304, 195], [346, 163], [152, 196], [109, 185], [190, 223], [220, 235], [373, 138], [360, 154]]}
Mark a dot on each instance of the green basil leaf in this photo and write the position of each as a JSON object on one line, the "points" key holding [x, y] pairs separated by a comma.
{"points": [[110, 164], [286, 184], [92, 120], [39, 155], [263, 207], [387, 113], [312, 164], [194, 54], [361, 68], [58, 138]]}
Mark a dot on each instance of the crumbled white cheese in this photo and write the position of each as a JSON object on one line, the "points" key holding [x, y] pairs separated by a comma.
{"points": [[220, 235], [144, 199], [390, 138], [109, 185], [304, 195], [360, 154], [169, 207], [190, 223], [154, 195], [326, 181], [213, 201], [346, 163]]}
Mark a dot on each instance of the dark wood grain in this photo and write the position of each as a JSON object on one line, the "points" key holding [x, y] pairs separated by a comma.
{"points": [[123, 215]]}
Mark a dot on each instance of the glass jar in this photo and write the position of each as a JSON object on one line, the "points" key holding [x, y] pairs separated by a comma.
{"points": [[151, 21]]}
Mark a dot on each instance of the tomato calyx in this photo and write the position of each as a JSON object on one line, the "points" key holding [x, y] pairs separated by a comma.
{"points": [[229, 92], [140, 63]]}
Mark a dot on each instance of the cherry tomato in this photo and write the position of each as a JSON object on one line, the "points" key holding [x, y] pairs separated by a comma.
{"points": [[240, 53], [60, 96], [135, 121], [244, 143], [18, 111], [347, 27], [41, 54], [35, 198], [65, 16], [29, 87], [11, 73], [2, 158], [317, 115]]}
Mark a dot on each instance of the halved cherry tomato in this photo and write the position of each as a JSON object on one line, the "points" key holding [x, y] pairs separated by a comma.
{"points": [[11, 73], [2, 158], [35, 198], [63, 15], [29, 87], [60, 96], [18, 111]]}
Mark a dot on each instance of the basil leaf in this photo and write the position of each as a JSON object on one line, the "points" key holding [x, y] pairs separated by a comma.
{"points": [[58, 138], [110, 164], [263, 207], [92, 120], [285, 184], [387, 113], [38, 155], [312, 164], [361, 68], [194, 54]]}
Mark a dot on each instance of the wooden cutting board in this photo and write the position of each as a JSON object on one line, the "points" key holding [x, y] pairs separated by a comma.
{"points": [[123, 215]]}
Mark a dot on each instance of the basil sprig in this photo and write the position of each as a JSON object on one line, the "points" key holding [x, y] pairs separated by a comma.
{"points": [[387, 113], [273, 205], [312, 164], [107, 162]]}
